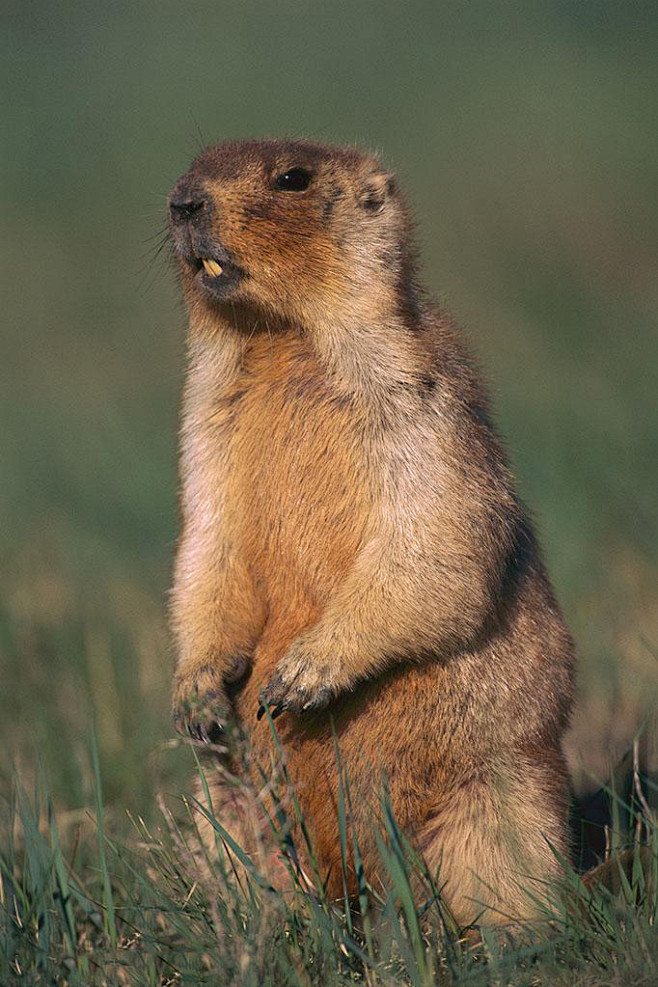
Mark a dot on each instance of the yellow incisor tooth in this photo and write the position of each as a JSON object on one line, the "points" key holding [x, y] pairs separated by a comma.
{"points": [[212, 267]]}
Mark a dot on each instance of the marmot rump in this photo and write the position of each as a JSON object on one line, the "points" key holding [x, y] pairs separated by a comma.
{"points": [[353, 551]]}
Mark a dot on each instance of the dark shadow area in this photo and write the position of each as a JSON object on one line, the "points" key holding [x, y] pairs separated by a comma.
{"points": [[610, 818]]}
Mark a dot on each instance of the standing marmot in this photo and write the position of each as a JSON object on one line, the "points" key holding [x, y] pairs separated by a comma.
{"points": [[352, 543]]}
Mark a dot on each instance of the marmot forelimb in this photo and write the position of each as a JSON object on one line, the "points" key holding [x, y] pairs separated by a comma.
{"points": [[353, 550]]}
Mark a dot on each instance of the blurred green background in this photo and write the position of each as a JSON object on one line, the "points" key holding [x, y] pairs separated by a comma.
{"points": [[525, 134]]}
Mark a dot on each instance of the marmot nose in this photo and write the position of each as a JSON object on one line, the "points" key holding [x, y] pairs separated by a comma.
{"points": [[185, 204]]}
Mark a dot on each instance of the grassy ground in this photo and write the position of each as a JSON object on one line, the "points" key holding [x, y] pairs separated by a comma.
{"points": [[157, 910], [524, 136]]}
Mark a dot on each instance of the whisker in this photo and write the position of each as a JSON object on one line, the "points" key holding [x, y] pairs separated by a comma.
{"points": [[163, 230], [200, 139], [156, 264]]}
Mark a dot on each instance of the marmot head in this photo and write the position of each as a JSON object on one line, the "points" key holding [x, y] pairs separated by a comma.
{"points": [[290, 229]]}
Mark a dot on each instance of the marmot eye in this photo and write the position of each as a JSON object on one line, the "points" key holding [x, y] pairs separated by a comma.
{"points": [[294, 180]]}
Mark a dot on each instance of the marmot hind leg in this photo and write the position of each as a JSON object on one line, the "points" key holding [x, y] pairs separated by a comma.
{"points": [[495, 848]]}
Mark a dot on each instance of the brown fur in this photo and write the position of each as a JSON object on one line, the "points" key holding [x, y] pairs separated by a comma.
{"points": [[352, 543]]}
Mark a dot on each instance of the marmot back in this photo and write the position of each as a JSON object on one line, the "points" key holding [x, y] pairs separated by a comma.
{"points": [[353, 550]]}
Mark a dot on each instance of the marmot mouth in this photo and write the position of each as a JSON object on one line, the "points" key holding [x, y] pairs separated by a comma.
{"points": [[216, 275], [212, 267], [209, 266]]}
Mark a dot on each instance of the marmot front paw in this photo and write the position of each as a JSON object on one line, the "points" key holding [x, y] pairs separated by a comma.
{"points": [[200, 708], [296, 687]]}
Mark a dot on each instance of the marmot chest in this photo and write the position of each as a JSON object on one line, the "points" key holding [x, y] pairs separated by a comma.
{"points": [[298, 483]]}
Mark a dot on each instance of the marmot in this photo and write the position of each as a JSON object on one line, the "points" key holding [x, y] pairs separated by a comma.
{"points": [[353, 550]]}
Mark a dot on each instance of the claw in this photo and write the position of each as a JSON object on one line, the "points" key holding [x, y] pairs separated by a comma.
{"points": [[274, 711], [215, 732], [273, 698], [290, 694], [209, 731]]}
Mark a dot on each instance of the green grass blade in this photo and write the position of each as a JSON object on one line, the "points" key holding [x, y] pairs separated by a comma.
{"points": [[107, 895]]}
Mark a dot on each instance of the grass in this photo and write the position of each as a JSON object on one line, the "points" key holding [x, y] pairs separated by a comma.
{"points": [[159, 910]]}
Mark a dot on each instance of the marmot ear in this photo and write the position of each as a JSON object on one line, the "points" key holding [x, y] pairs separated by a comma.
{"points": [[376, 191]]}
